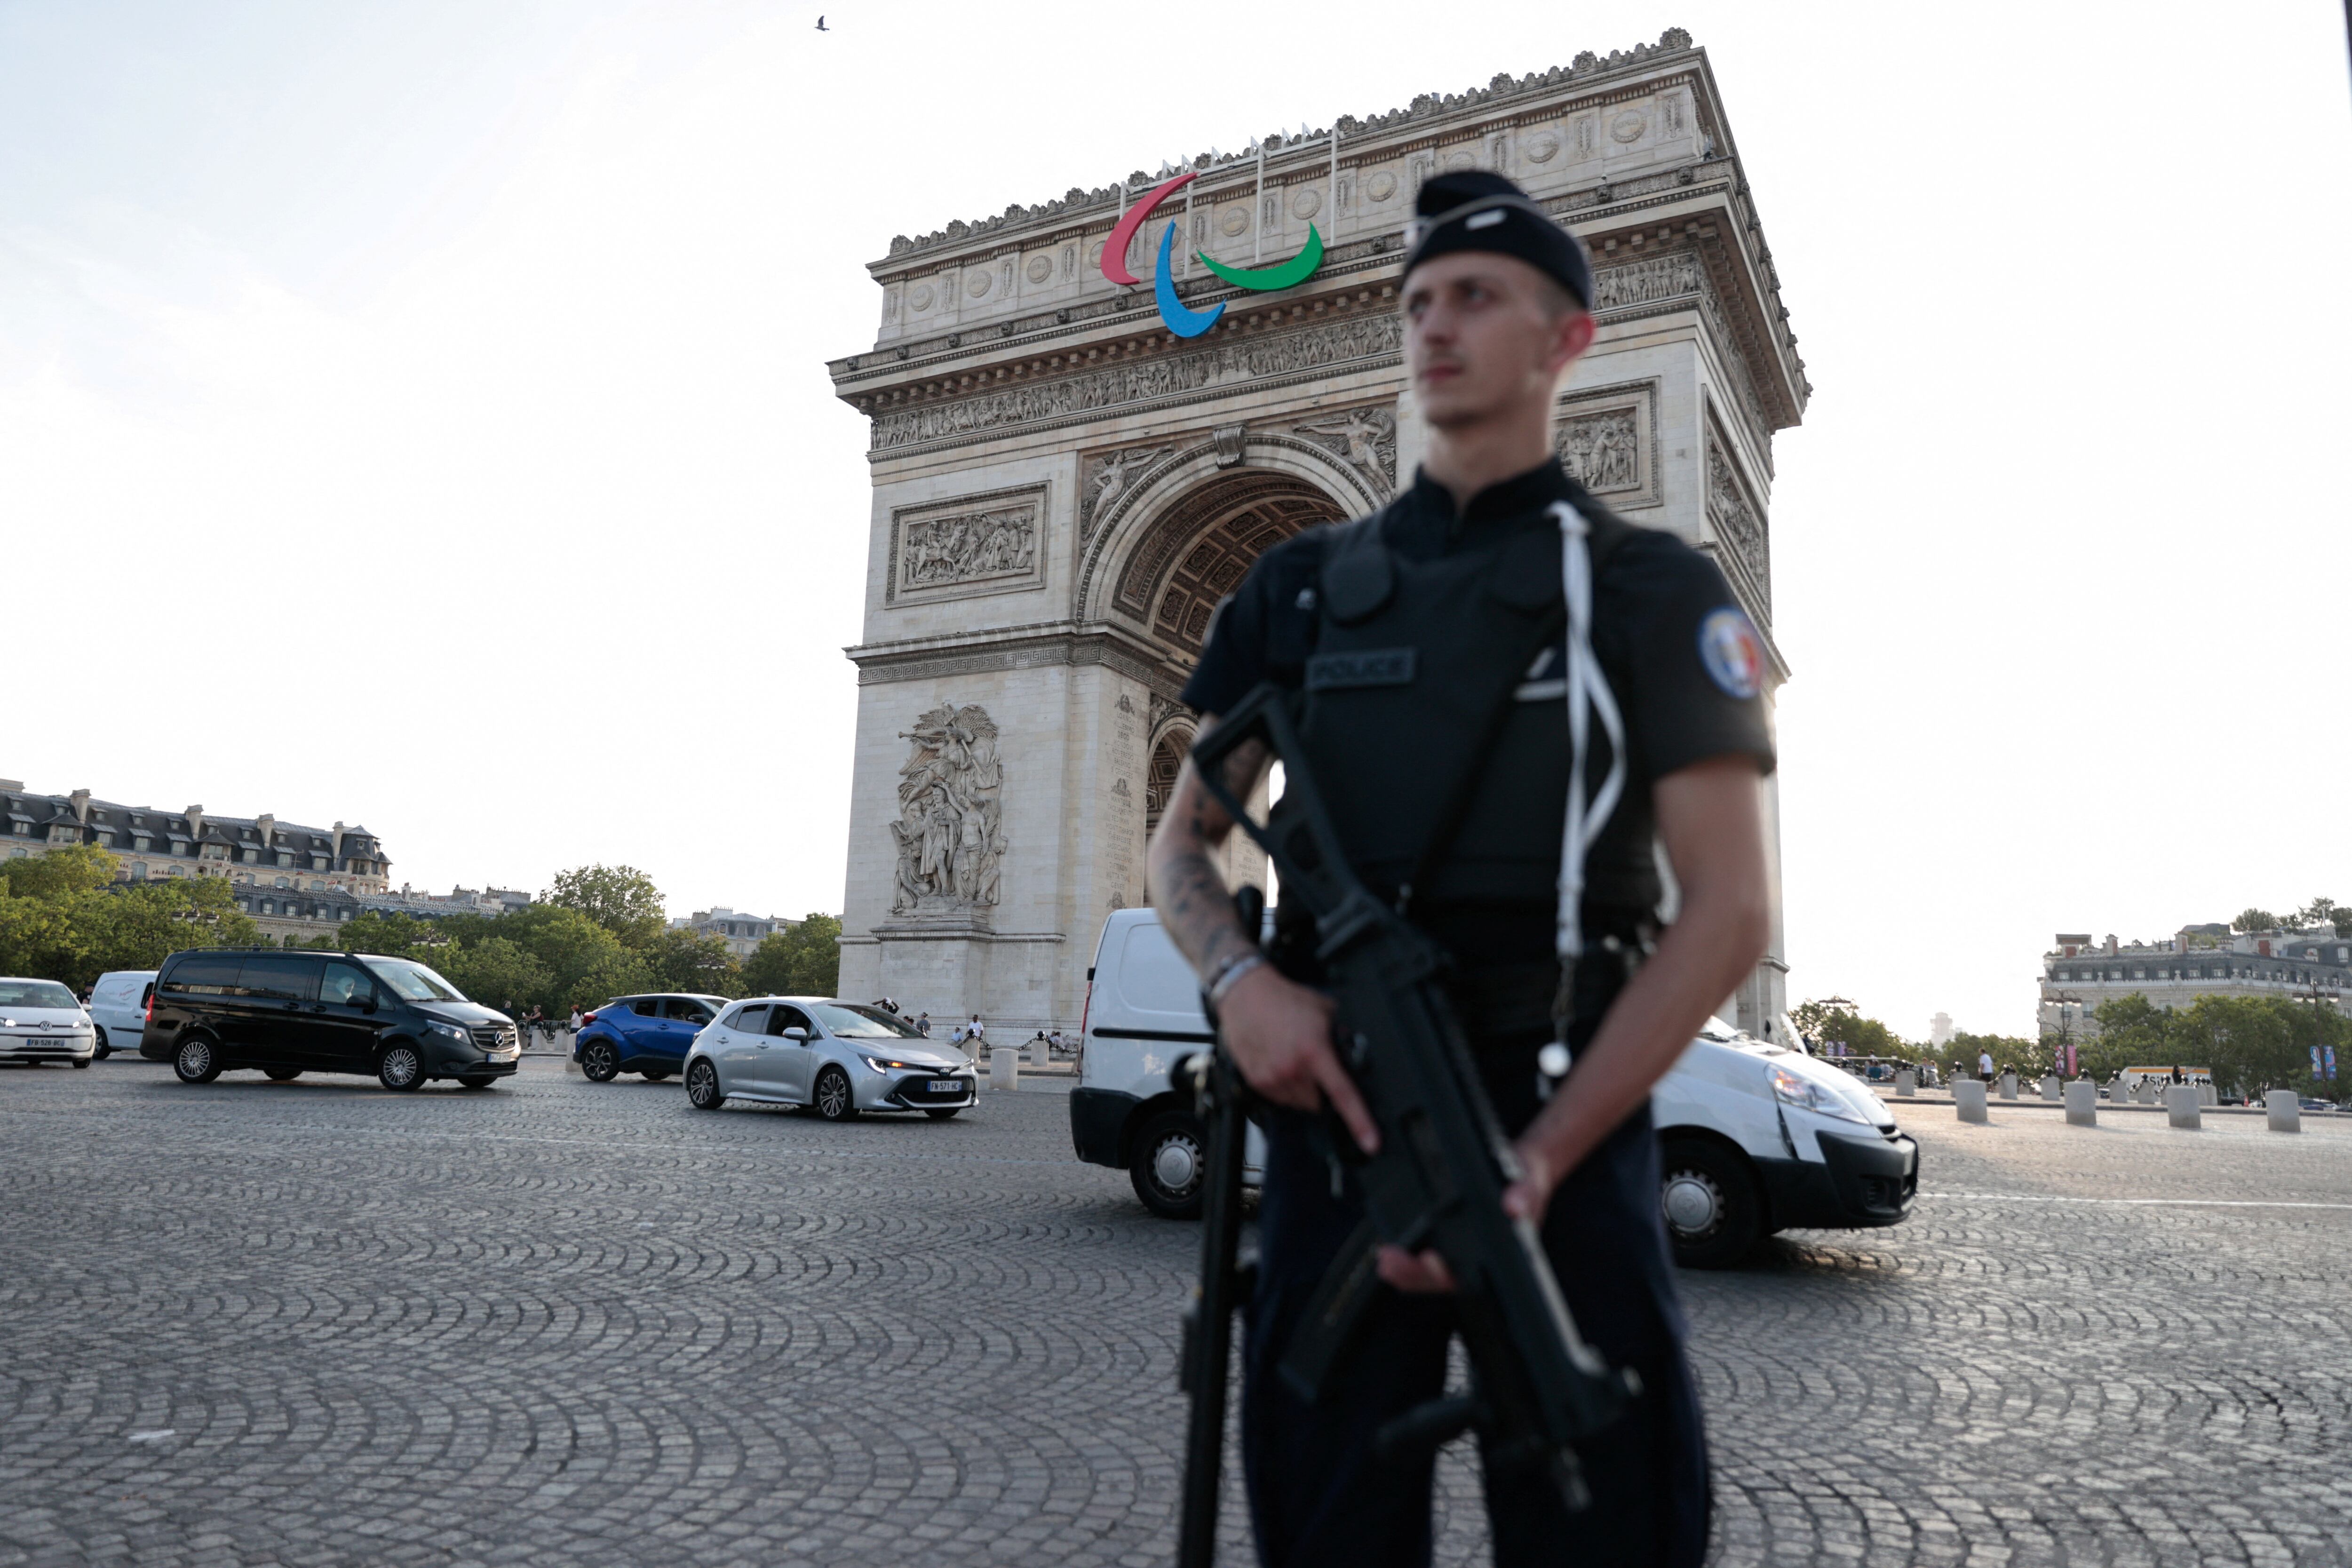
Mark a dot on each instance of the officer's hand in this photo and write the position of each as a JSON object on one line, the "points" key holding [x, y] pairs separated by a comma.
{"points": [[1280, 1035], [1421, 1273], [1527, 1197]]}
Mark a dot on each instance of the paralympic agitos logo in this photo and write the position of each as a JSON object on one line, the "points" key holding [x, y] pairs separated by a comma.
{"points": [[1187, 324]]}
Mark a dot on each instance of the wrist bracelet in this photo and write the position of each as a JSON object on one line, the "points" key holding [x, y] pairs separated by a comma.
{"points": [[1231, 972]]}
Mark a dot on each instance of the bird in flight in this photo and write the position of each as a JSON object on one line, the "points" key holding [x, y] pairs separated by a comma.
{"points": [[820, 26]]}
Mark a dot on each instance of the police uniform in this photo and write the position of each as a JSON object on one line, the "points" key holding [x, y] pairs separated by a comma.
{"points": [[1400, 628]]}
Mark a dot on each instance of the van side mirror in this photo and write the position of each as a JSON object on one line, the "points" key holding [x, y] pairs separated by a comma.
{"points": [[797, 1033], [365, 1003]]}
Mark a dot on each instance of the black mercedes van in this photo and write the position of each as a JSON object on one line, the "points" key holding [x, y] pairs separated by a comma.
{"points": [[286, 1014]]}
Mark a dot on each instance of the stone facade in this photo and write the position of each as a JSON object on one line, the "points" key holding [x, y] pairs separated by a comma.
{"points": [[2077, 975], [1063, 490]]}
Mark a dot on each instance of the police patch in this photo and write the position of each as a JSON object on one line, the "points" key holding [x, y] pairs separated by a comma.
{"points": [[1732, 652]]}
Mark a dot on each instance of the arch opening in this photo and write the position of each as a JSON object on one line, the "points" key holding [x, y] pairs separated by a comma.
{"points": [[1200, 548]]}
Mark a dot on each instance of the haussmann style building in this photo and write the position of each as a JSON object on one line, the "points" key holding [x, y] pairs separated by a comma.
{"points": [[2078, 975]]}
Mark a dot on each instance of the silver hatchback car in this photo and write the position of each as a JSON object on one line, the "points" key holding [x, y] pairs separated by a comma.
{"points": [[835, 1058]]}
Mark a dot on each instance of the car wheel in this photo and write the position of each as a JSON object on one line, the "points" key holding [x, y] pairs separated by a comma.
{"points": [[656, 1075], [196, 1061], [833, 1099], [702, 1090], [1170, 1160], [941, 1113], [477, 1080], [598, 1062], [1712, 1211], [81, 1061], [104, 1050], [281, 1075], [400, 1068]]}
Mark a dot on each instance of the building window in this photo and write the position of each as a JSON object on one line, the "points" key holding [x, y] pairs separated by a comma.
{"points": [[284, 883], [251, 856]]}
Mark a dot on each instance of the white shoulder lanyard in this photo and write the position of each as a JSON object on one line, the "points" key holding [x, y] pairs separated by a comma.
{"points": [[1588, 693]]}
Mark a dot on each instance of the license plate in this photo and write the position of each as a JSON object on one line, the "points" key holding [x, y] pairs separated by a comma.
{"points": [[507, 1052], [947, 1085]]}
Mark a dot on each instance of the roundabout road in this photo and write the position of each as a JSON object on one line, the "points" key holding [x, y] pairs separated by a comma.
{"points": [[564, 1323]]}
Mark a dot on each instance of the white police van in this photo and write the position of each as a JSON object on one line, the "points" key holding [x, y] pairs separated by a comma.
{"points": [[1753, 1137]]}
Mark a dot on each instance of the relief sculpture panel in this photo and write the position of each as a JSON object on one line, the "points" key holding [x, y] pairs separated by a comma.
{"points": [[949, 833], [1365, 437], [1737, 523], [1606, 438], [987, 544]]}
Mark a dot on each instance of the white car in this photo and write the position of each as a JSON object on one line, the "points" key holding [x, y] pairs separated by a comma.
{"points": [[1753, 1138], [838, 1059], [118, 1006], [41, 1022]]}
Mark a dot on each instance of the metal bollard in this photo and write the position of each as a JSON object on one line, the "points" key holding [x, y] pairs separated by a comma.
{"points": [[1907, 1084], [1003, 1065], [2082, 1103], [2285, 1111], [2180, 1102], [1968, 1099]]}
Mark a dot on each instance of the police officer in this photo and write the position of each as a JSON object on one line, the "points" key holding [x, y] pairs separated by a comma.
{"points": [[1442, 584]]}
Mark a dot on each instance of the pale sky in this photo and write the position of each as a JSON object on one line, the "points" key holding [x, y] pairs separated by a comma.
{"points": [[416, 414]]}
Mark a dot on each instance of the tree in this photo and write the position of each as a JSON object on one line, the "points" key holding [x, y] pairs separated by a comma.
{"points": [[689, 961], [2328, 912], [63, 917], [2254, 919], [2133, 1032], [621, 899], [1826, 1026], [392, 935], [2028, 1058], [498, 974], [802, 960]]}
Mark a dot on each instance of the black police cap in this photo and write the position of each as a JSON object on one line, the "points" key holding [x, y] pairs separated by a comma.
{"points": [[1470, 209]]}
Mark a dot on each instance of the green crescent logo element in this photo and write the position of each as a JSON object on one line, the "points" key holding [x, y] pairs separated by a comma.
{"points": [[1285, 275]]}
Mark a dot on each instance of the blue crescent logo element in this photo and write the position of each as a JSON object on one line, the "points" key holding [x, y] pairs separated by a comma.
{"points": [[1732, 652], [1185, 323]]}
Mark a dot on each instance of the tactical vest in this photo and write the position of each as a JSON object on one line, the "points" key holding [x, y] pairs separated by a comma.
{"points": [[1409, 658]]}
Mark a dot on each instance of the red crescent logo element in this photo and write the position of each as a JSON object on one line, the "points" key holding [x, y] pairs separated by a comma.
{"points": [[1114, 257]]}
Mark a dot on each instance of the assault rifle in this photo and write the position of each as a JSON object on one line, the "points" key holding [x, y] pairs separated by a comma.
{"points": [[1437, 1182]]}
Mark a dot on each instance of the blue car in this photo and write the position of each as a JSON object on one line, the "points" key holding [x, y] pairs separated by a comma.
{"points": [[648, 1035]]}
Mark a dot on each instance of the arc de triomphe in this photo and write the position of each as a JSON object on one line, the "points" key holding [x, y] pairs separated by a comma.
{"points": [[1064, 489]]}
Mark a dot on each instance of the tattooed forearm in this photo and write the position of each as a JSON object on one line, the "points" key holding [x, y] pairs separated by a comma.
{"points": [[1195, 906]]}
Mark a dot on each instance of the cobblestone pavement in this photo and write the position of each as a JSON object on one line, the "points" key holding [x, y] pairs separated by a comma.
{"points": [[562, 1322]]}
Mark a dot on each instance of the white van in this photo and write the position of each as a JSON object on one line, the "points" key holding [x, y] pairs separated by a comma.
{"points": [[118, 1005], [1753, 1138]]}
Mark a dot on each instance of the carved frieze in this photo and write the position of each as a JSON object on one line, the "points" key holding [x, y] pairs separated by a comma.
{"points": [[1364, 340], [950, 829], [1364, 437], [1737, 523], [1602, 450], [1607, 437], [1105, 477], [986, 544], [1647, 281]]}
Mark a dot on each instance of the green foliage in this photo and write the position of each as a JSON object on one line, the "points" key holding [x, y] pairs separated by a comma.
{"points": [[2254, 919], [2010, 1053], [2247, 1043], [2328, 912], [1825, 1026], [63, 917], [803, 960], [689, 961], [621, 899]]}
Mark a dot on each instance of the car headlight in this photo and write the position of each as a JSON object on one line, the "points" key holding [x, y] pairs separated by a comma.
{"points": [[884, 1064], [450, 1031], [1790, 1089]]}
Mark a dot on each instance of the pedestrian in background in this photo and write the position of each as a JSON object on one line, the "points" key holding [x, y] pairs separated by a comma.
{"points": [[923, 1024]]}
